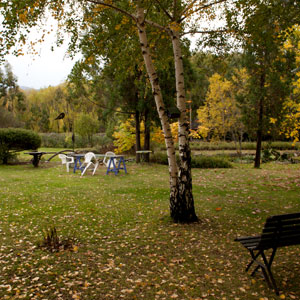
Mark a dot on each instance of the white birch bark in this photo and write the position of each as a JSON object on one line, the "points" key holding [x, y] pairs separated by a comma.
{"points": [[186, 206], [173, 170]]}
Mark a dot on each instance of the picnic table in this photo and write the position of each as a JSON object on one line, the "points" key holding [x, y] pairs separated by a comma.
{"points": [[37, 155]]}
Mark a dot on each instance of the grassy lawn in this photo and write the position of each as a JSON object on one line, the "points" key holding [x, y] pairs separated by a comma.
{"points": [[123, 243]]}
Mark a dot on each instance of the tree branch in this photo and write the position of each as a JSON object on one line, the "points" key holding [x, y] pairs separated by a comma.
{"points": [[157, 25], [114, 7], [200, 8], [164, 10], [205, 32], [174, 9]]}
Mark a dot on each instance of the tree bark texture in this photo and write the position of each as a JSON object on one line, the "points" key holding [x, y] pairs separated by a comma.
{"points": [[182, 207], [181, 198], [156, 90], [260, 123], [147, 136]]}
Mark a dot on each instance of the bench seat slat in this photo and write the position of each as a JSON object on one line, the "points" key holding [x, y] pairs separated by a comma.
{"points": [[285, 216], [290, 223]]}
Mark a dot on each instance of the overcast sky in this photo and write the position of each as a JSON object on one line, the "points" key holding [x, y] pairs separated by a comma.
{"points": [[49, 68]]}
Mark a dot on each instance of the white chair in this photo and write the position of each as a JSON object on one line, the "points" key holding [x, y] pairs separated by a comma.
{"points": [[107, 158], [66, 160], [89, 160]]}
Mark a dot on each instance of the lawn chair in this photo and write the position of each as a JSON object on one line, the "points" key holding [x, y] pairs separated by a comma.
{"points": [[107, 159], [89, 160], [66, 160]]}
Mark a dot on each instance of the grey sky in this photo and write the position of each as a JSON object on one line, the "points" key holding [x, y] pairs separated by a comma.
{"points": [[49, 68]]}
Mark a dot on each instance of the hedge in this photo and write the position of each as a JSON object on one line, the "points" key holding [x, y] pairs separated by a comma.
{"points": [[198, 161], [15, 139]]}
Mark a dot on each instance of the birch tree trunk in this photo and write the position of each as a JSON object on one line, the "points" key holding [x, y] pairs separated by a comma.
{"points": [[182, 207], [181, 198]]}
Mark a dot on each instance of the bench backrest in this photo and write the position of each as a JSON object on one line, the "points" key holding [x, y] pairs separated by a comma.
{"points": [[280, 231]]}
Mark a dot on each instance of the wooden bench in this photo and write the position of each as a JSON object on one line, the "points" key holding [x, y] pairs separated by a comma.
{"points": [[279, 231]]}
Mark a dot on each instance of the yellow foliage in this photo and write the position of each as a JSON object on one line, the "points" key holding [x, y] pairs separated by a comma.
{"points": [[175, 26], [99, 8], [291, 124], [125, 135], [158, 135], [23, 17], [220, 113], [125, 20]]}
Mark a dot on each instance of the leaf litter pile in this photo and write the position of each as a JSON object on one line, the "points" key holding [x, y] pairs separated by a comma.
{"points": [[110, 237]]}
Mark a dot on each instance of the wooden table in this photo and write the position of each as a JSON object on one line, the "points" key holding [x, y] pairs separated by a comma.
{"points": [[143, 153], [36, 157]]}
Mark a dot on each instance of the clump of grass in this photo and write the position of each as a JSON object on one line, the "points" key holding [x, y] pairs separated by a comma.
{"points": [[53, 243]]}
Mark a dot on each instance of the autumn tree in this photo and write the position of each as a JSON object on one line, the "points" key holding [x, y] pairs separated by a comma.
{"points": [[261, 28], [289, 126], [11, 97], [220, 114], [167, 18], [86, 126]]}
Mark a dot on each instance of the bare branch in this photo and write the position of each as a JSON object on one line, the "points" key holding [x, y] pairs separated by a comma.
{"points": [[187, 8], [164, 10], [206, 32], [156, 25], [201, 8], [115, 8], [174, 9]]}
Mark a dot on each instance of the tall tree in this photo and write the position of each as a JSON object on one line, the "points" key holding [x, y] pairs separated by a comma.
{"points": [[220, 114], [11, 97], [168, 18], [262, 33]]}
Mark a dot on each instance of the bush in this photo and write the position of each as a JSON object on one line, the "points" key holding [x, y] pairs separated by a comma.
{"points": [[203, 162], [14, 139], [201, 145]]}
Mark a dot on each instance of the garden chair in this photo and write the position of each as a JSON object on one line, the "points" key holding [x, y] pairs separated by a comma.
{"points": [[66, 160], [107, 159], [89, 160]]}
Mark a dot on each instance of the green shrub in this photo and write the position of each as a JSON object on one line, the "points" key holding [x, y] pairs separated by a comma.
{"points": [[13, 140], [204, 162], [159, 158], [201, 145]]}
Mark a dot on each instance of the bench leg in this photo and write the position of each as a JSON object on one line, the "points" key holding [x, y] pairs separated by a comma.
{"points": [[265, 267], [268, 267]]}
